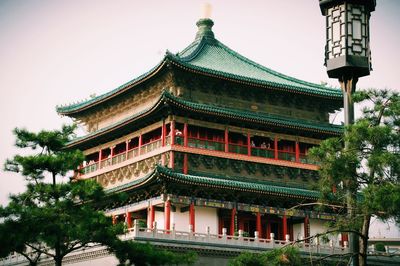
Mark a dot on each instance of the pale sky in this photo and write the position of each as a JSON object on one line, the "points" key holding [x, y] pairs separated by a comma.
{"points": [[58, 52]]}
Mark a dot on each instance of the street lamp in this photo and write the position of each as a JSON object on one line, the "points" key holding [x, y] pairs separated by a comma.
{"points": [[347, 52], [348, 57]]}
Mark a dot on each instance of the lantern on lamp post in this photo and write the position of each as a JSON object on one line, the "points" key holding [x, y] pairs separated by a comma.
{"points": [[347, 51], [348, 57]]}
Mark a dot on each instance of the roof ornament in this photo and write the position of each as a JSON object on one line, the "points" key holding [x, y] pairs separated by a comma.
{"points": [[207, 8], [205, 24]]}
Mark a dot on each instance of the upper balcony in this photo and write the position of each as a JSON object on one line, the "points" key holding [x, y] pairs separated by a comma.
{"points": [[190, 138]]}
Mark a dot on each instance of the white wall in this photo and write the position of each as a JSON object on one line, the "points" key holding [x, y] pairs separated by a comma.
{"points": [[203, 217], [206, 217], [298, 231], [159, 218], [181, 219], [318, 226]]}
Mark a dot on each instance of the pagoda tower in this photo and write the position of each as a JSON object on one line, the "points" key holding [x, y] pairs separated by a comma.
{"points": [[209, 142]]}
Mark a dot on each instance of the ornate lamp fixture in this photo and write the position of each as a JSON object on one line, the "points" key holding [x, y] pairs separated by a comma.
{"points": [[347, 51]]}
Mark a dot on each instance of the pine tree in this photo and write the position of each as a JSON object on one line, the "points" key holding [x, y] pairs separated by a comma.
{"points": [[368, 167]]}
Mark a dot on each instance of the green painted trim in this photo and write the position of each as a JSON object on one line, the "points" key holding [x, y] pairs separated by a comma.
{"points": [[227, 183], [172, 101]]}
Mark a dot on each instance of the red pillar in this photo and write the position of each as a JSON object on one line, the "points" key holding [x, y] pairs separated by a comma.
{"points": [[226, 140], [285, 228], [276, 148], [172, 160], [345, 237], [163, 133], [152, 216], [127, 148], [140, 144], [248, 144], [268, 227], [191, 216], [185, 163], [297, 150], [258, 224], [99, 162], [172, 132], [220, 224], [306, 222], [167, 215], [233, 215], [185, 134], [128, 219], [114, 219]]}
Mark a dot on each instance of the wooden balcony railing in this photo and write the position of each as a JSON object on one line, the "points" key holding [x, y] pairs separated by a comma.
{"points": [[199, 143], [206, 144]]}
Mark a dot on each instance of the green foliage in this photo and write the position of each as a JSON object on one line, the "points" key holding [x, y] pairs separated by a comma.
{"points": [[50, 157], [38, 219], [133, 253], [277, 257], [380, 247], [56, 217], [368, 166]]}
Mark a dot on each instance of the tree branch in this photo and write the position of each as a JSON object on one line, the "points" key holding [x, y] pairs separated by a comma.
{"points": [[40, 250]]}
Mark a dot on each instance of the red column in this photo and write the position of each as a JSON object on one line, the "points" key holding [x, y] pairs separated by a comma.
{"points": [[248, 144], [226, 140], [128, 219], [306, 222], [127, 148], [285, 229], [297, 149], [185, 135], [276, 148], [233, 214], [163, 131], [345, 237], [268, 227], [152, 216], [172, 160], [191, 216], [112, 151], [114, 219], [99, 162], [220, 224], [185, 163], [167, 215], [140, 144], [172, 132], [258, 224]]}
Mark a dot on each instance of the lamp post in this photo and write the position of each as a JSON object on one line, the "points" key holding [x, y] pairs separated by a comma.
{"points": [[348, 57]]}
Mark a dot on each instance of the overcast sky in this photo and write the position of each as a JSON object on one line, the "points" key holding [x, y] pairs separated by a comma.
{"points": [[58, 52]]}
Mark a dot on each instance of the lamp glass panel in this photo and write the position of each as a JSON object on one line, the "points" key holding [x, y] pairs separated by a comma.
{"points": [[336, 31], [357, 31]]}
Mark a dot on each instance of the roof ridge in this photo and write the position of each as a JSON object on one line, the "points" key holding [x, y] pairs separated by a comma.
{"points": [[272, 188]]}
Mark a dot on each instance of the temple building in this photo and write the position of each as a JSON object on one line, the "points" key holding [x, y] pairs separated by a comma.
{"points": [[210, 142]]}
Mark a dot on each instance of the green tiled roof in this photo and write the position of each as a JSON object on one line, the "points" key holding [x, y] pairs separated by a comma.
{"points": [[228, 113], [208, 56], [263, 118], [224, 182]]}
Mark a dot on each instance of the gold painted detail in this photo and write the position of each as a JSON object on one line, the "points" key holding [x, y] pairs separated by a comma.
{"points": [[129, 172]]}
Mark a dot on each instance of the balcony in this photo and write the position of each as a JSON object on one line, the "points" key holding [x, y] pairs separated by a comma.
{"points": [[315, 245], [198, 140]]}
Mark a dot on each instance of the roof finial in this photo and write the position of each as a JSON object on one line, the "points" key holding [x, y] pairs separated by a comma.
{"points": [[205, 24], [207, 8]]}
